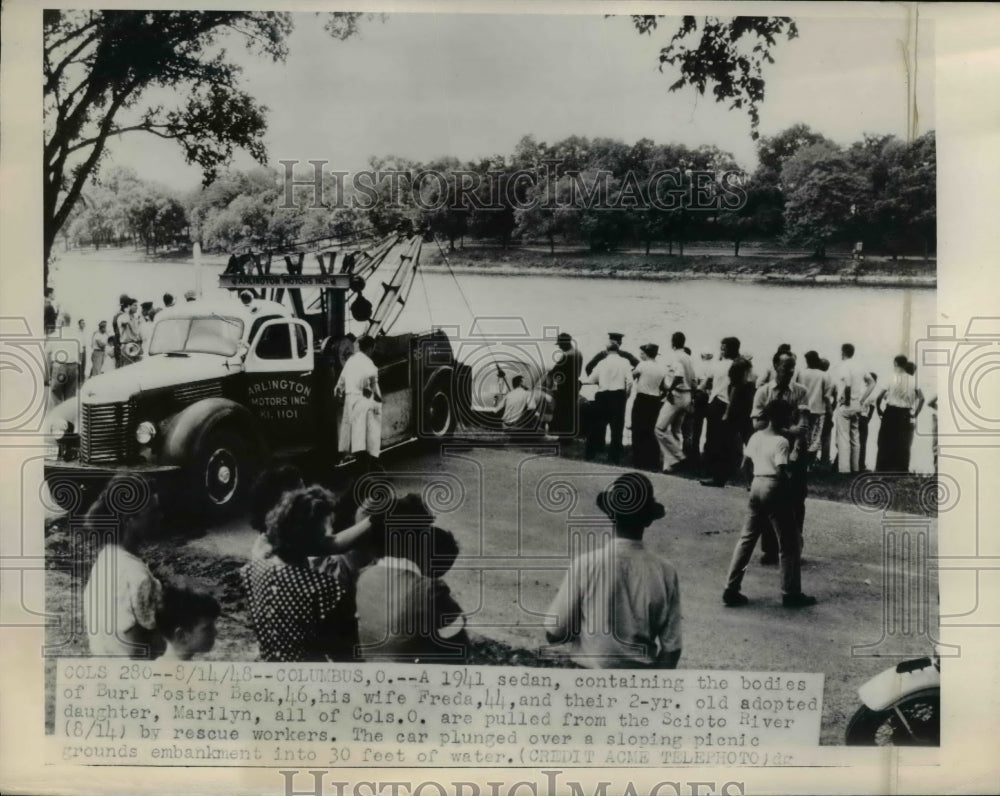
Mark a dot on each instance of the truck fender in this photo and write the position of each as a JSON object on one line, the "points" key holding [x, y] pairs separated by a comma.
{"points": [[188, 427], [890, 686]]}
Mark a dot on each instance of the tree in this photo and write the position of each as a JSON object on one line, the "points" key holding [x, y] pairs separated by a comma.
{"points": [[101, 68], [823, 190], [729, 55]]}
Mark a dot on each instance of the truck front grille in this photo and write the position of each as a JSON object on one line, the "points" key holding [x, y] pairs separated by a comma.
{"points": [[104, 433]]}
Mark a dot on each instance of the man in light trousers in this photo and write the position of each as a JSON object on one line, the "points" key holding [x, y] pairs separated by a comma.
{"points": [[849, 385], [670, 423]]}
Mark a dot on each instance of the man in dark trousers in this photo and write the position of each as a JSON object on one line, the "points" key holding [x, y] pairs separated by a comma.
{"points": [[616, 338], [563, 382], [613, 377], [722, 444]]}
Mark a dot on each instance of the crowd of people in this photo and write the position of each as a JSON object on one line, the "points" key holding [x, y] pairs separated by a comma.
{"points": [[327, 579], [779, 424], [332, 580], [698, 417], [72, 354]]}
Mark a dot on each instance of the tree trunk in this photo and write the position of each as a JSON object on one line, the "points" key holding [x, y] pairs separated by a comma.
{"points": [[680, 247], [552, 245], [736, 247], [647, 246], [670, 247]]}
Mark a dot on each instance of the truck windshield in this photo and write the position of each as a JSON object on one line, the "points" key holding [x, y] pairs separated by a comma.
{"points": [[213, 335]]}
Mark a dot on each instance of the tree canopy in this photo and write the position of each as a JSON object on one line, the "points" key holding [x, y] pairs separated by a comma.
{"points": [[727, 55], [104, 72]]}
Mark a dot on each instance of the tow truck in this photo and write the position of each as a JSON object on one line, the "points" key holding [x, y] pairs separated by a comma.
{"points": [[228, 385]]}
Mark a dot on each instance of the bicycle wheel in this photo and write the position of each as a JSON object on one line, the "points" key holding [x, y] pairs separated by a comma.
{"points": [[914, 721]]}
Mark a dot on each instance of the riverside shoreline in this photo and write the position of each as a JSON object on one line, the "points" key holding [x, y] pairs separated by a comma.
{"points": [[872, 280], [776, 267], [753, 267]]}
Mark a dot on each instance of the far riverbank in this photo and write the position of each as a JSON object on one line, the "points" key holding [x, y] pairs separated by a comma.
{"points": [[700, 261], [790, 269]]}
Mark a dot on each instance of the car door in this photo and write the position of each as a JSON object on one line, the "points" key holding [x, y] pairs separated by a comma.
{"points": [[280, 376]]}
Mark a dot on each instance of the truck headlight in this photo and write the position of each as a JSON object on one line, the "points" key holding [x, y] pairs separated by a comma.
{"points": [[145, 432], [60, 427]]}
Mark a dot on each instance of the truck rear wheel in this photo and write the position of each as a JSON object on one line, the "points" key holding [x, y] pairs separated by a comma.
{"points": [[224, 468]]}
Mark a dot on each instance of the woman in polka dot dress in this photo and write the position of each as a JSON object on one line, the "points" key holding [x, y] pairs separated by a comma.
{"points": [[298, 612]]}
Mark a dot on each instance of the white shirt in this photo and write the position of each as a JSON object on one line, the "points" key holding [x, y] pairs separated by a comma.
{"points": [[767, 451], [612, 373], [649, 375], [515, 403], [624, 588], [848, 374], [680, 364], [720, 380], [357, 374], [817, 383], [120, 594]]}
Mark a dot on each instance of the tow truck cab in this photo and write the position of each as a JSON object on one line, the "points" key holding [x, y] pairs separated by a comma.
{"points": [[224, 387]]}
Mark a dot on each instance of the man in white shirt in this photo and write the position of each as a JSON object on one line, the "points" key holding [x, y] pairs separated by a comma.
{"points": [[849, 387], [361, 421], [518, 405], [679, 383], [619, 605], [613, 377], [817, 385]]}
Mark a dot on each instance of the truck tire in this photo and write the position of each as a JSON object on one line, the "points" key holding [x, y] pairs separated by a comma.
{"points": [[223, 468], [440, 417]]}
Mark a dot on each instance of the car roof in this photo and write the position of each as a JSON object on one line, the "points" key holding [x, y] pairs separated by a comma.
{"points": [[228, 309]]}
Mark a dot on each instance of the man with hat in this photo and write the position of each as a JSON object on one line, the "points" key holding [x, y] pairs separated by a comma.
{"points": [[649, 376], [619, 605], [613, 377], [616, 338], [563, 383]]}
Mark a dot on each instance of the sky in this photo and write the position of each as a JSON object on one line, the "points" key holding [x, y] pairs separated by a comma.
{"points": [[426, 85]]}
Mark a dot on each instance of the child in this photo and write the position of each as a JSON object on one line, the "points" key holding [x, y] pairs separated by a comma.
{"points": [[186, 618], [122, 596], [766, 459]]}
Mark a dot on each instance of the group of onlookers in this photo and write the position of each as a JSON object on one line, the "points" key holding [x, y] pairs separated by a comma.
{"points": [[71, 355], [677, 404], [328, 579], [778, 423]]}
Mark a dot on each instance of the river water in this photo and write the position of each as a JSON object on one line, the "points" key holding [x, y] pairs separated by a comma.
{"points": [[521, 315]]}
